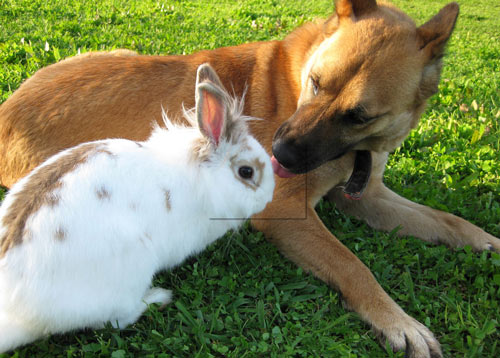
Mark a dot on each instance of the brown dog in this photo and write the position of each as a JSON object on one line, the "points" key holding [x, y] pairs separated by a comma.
{"points": [[336, 96]]}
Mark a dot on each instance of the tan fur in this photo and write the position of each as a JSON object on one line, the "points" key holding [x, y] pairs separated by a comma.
{"points": [[368, 57], [86, 55], [200, 150]]}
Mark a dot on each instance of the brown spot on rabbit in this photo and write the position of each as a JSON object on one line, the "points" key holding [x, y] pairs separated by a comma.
{"points": [[103, 193], [38, 191], [27, 235], [200, 150], [60, 234], [168, 203], [258, 167], [105, 151], [52, 199]]}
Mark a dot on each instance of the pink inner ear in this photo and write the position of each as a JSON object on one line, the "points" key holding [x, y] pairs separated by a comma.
{"points": [[213, 116]]}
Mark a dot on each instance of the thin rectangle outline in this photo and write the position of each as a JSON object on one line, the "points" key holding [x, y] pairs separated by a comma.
{"points": [[271, 219]]}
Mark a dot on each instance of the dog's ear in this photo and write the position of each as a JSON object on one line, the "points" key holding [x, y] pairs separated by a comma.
{"points": [[431, 39], [433, 35], [350, 9]]}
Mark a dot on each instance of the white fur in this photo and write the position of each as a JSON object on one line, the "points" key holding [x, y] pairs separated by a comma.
{"points": [[102, 269]]}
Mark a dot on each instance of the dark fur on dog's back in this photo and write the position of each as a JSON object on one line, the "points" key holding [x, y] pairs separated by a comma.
{"points": [[356, 81]]}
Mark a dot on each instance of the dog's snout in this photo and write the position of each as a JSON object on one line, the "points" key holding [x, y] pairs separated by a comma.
{"points": [[283, 147], [291, 154], [284, 153], [281, 132]]}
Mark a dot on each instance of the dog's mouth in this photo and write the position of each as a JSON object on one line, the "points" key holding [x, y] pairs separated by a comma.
{"points": [[280, 170], [358, 181], [356, 184]]}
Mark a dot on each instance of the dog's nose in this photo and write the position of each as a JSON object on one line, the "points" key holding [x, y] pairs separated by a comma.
{"points": [[286, 153], [287, 149]]}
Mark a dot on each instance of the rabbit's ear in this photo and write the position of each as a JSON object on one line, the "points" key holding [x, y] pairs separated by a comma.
{"points": [[206, 73], [210, 111]]}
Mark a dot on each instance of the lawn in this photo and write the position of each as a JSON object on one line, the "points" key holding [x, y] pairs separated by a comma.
{"points": [[241, 298]]}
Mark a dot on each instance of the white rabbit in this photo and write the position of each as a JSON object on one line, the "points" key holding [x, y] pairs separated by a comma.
{"points": [[83, 234]]}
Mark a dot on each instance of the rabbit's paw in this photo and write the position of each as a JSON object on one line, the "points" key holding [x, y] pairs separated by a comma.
{"points": [[158, 295]]}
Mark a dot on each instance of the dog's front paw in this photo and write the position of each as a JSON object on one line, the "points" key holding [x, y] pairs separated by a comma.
{"points": [[409, 335], [493, 244]]}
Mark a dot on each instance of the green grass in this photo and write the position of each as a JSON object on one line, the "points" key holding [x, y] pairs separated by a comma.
{"points": [[241, 298]]}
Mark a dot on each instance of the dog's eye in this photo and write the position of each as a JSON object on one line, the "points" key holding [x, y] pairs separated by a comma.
{"points": [[245, 172], [362, 120], [359, 116], [315, 86]]}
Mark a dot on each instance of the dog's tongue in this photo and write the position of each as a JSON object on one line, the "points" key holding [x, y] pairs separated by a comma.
{"points": [[279, 170], [356, 184]]}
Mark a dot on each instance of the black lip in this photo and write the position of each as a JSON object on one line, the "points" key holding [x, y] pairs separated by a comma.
{"points": [[312, 164], [302, 169]]}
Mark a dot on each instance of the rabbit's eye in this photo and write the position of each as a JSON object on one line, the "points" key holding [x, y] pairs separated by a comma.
{"points": [[245, 172]]}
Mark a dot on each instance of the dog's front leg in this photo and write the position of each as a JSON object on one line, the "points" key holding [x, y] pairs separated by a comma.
{"points": [[308, 243], [385, 210]]}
